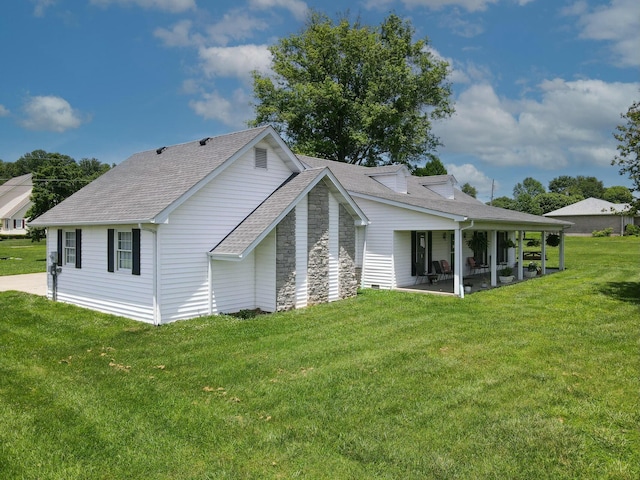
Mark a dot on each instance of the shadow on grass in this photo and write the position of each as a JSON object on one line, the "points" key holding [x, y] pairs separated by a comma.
{"points": [[624, 291]]}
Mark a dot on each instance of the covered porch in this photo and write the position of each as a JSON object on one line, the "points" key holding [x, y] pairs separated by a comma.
{"points": [[479, 254]]}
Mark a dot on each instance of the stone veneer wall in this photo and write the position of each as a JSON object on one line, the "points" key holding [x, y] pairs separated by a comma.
{"points": [[286, 262], [318, 244], [347, 256]]}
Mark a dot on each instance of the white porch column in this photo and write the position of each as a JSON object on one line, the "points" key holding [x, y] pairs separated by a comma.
{"points": [[494, 257], [561, 253], [458, 266], [520, 254], [543, 252]]}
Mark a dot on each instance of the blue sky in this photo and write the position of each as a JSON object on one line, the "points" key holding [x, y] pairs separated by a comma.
{"points": [[539, 85]]}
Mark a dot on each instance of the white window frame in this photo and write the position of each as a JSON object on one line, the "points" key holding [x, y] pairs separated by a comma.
{"points": [[122, 263], [69, 246]]}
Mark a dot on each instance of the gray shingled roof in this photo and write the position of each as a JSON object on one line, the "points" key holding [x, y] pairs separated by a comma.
{"points": [[589, 206], [143, 186], [357, 181]]}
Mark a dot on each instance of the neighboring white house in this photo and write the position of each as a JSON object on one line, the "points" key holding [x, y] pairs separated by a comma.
{"points": [[594, 214], [214, 226], [239, 222], [415, 221], [15, 201]]}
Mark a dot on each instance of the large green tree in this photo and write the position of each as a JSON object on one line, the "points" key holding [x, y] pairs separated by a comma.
{"points": [[618, 194], [529, 186], [432, 167], [55, 177], [355, 93], [628, 157]]}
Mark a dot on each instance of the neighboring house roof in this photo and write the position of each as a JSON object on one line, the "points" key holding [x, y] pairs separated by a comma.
{"points": [[356, 179], [170, 176], [589, 206], [267, 215], [15, 194]]}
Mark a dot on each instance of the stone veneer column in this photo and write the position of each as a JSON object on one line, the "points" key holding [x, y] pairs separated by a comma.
{"points": [[347, 256], [286, 262], [318, 244]]}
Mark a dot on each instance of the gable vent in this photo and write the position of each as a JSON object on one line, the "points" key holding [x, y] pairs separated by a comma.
{"points": [[204, 141], [261, 157], [160, 150]]}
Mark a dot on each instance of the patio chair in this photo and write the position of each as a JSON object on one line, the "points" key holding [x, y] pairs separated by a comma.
{"points": [[474, 266], [446, 269], [437, 268]]}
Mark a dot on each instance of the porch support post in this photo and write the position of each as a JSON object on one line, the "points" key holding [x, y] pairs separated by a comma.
{"points": [[543, 252], [494, 258], [457, 268], [520, 254], [561, 253]]}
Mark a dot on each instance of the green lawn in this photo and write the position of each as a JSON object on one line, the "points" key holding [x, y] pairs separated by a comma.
{"points": [[534, 380], [19, 256]]}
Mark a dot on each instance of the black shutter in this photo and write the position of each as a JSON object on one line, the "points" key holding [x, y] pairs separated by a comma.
{"points": [[136, 251], [413, 253], [111, 250], [59, 246], [78, 248]]}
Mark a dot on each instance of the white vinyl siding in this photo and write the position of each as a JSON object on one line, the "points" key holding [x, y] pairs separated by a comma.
{"points": [[302, 219], [384, 260], [200, 223], [93, 287], [233, 285], [395, 181]]}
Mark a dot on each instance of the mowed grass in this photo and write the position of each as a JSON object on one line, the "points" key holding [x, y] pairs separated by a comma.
{"points": [[534, 380], [18, 256]]}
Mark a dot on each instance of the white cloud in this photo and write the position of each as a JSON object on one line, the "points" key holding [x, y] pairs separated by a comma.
{"points": [[617, 23], [50, 113], [4, 111], [234, 112], [468, 173], [237, 61], [297, 8], [178, 36], [470, 5], [235, 25], [166, 5], [41, 6], [571, 124]]}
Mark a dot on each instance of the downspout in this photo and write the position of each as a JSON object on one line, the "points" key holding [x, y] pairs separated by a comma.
{"points": [[459, 261], [156, 315]]}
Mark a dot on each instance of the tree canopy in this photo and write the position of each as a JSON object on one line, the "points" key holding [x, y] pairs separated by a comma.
{"points": [[628, 157], [529, 186], [354, 93], [55, 177], [432, 167]]}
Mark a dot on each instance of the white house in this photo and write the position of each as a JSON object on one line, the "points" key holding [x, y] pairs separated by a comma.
{"points": [[214, 226], [15, 201], [415, 221], [239, 222], [593, 214]]}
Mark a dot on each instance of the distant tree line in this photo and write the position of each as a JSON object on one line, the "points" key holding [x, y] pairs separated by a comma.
{"points": [[530, 196], [55, 177]]}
